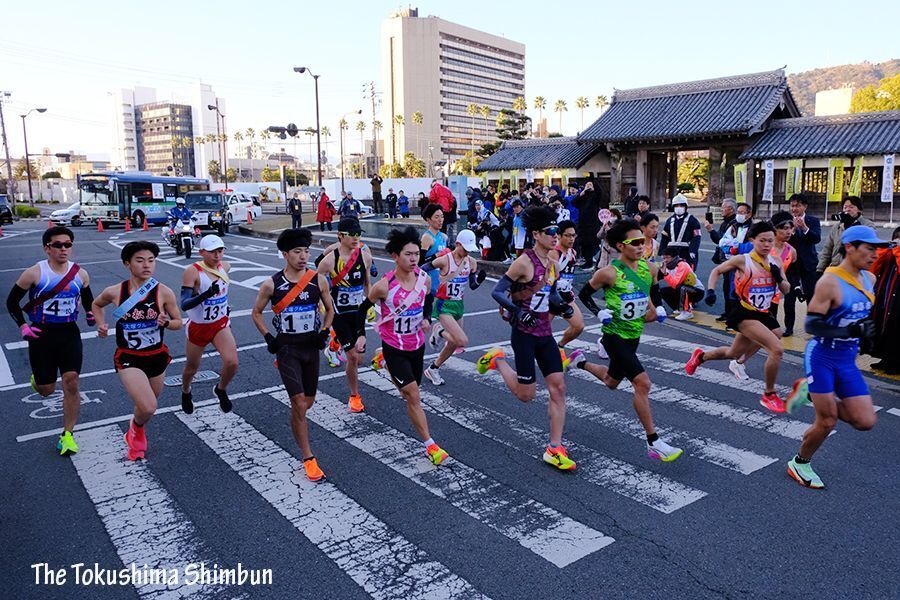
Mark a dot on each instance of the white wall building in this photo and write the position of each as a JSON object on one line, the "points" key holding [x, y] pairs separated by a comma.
{"points": [[205, 123], [834, 102], [438, 68]]}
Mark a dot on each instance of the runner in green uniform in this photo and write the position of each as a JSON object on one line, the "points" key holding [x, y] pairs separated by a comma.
{"points": [[632, 299]]}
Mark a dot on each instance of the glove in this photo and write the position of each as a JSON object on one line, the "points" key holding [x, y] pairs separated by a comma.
{"points": [[568, 296], [479, 279], [373, 270], [864, 328], [89, 318], [271, 343], [777, 277], [605, 315], [213, 290], [660, 314], [710, 297], [527, 319], [561, 309], [799, 295], [322, 339], [29, 332]]}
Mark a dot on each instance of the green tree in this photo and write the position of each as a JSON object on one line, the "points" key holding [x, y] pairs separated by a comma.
{"points": [[519, 105], [361, 128], [694, 171], [50, 175], [560, 107], [466, 164], [215, 171], [397, 131], [418, 120], [472, 110], [413, 166], [540, 103], [581, 103], [884, 96], [487, 149], [232, 175], [601, 102], [238, 137], [391, 170], [269, 174], [512, 125]]}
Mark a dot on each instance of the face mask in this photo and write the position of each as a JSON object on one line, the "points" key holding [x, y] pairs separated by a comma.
{"points": [[679, 210], [672, 264], [847, 220], [741, 218]]}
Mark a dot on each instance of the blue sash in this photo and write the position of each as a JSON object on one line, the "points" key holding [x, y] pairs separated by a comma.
{"points": [[134, 298]]}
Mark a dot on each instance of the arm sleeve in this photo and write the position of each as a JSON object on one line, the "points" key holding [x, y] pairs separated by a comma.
{"points": [[655, 295], [586, 296], [500, 294], [189, 300], [361, 317], [87, 298], [428, 307], [694, 246], [816, 326], [12, 304]]}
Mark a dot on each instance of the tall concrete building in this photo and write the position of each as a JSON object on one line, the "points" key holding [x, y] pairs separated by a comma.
{"points": [[161, 128], [438, 68]]}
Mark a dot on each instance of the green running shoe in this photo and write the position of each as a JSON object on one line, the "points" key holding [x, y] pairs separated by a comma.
{"points": [[33, 383], [799, 395], [488, 362], [804, 475], [66, 444]]}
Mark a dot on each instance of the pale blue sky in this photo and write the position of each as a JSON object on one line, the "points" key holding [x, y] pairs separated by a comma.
{"points": [[66, 55]]}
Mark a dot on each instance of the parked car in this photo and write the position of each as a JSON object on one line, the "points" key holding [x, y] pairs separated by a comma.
{"points": [[239, 205], [219, 210], [70, 215], [6, 215]]}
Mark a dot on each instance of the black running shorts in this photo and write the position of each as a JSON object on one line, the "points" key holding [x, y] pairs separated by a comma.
{"points": [[529, 349], [57, 351], [152, 363], [298, 366], [404, 366], [739, 314], [623, 358], [344, 326]]}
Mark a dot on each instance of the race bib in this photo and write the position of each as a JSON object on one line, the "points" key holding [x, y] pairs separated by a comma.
{"points": [[456, 287], [407, 322], [140, 335], [61, 306], [540, 302], [634, 306], [760, 297], [214, 309], [350, 295], [297, 319], [566, 282]]}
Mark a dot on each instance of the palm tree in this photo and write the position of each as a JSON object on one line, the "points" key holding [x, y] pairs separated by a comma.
{"points": [[326, 133], [472, 110], [361, 128], [237, 136], [250, 134], [376, 127], [418, 120], [398, 122], [519, 104], [540, 103], [264, 135], [342, 127], [582, 103], [601, 102], [560, 107], [211, 138]]}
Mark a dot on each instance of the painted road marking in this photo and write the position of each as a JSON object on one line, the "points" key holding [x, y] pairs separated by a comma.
{"points": [[894, 411], [539, 528], [6, 376], [648, 488], [380, 560]]}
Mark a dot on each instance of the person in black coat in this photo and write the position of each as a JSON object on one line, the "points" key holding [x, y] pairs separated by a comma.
{"points": [[807, 233], [588, 205], [729, 211], [681, 231]]}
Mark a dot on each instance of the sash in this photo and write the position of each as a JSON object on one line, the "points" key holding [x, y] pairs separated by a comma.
{"points": [[60, 286], [347, 266], [294, 292], [408, 301], [134, 298], [848, 278], [217, 272]]}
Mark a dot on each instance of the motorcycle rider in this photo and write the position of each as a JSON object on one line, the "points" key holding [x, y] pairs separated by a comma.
{"points": [[178, 213]]}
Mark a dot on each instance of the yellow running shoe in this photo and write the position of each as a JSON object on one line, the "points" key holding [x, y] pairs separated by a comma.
{"points": [[313, 472], [565, 360], [371, 315], [488, 362], [66, 444], [355, 404], [378, 360], [33, 383], [559, 458], [436, 454]]}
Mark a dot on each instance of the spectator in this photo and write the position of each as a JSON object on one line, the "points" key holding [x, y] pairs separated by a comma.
{"points": [[421, 202], [350, 206], [650, 228], [807, 233], [403, 205], [377, 204], [473, 199], [391, 199], [501, 200], [643, 207], [569, 203], [729, 212], [325, 211], [682, 287], [850, 215], [682, 231], [886, 312], [517, 225], [489, 197], [450, 219], [296, 211], [783, 222], [631, 202], [441, 195], [562, 213], [588, 203], [608, 253], [730, 245]]}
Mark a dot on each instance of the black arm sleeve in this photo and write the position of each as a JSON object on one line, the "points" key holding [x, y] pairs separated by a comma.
{"points": [[816, 326], [586, 295], [12, 304], [361, 317], [655, 295], [428, 265], [428, 307], [501, 294], [189, 300], [87, 298]]}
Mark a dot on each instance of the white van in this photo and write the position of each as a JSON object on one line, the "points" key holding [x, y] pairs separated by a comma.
{"points": [[239, 205]]}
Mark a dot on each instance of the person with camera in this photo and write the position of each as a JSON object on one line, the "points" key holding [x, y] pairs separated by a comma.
{"points": [[850, 215]]}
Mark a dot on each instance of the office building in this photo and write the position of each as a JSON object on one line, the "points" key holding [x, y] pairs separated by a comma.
{"points": [[165, 139]]}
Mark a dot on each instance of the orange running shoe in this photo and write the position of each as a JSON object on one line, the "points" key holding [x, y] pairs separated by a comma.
{"points": [[313, 472], [136, 440], [355, 404], [488, 362], [694, 362], [333, 344], [436, 454], [559, 458], [771, 401]]}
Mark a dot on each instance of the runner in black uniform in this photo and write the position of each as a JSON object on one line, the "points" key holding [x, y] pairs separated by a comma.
{"points": [[296, 293], [146, 309]]}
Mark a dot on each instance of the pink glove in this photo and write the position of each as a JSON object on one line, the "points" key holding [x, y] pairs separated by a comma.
{"points": [[29, 332], [89, 318]]}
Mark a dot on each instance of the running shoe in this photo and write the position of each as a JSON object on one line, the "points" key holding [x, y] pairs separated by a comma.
{"points": [[488, 362], [799, 395], [187, 402], [313, 472], [577, 358], [565, 360], [333, 344], [371, 315], [722, 318], [459, 350], [66, 444], [136, 442], [378, 360], [341, 355], [684, 315], [804, 474], [436, 454], [740, 373], [434, 376], [601, 351], [33, 383], [559, 458], [331, 355], [771, 401], [355, 404], [663, 451], [435, 334], [694, 362]]}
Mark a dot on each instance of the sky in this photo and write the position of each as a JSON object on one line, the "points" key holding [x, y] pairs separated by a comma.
{"points": [[67, 56]]}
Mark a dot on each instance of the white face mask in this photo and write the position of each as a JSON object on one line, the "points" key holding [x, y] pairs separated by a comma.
{"points": [[741, 218], [679, 210]]}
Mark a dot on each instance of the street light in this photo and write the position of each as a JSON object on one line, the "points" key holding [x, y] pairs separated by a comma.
{"points": [[318, 126], [341, 124], [27, 162], [219, 114]]}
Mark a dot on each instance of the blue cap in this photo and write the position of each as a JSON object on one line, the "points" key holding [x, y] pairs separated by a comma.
{"points": [[863, 234]]}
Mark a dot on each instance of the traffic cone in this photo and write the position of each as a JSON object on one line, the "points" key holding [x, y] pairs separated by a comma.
{"points": [[145, 228], [249, 217], [127, 225], [99, 225]]}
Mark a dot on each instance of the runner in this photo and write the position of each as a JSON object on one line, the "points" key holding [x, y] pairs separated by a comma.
{"points": [[142, 316], [838, 317], [434, 241], [347, 268], [529, 293], [54, 287], [295, 293], [759, 277], [204, 297], [632, 299], [567, 258], [405, 316], [457, 269]]}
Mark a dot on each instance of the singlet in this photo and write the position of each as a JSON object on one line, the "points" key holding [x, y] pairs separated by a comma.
{"points": [[455, 288], [349, 292], [534, 296], [402, 331], [628, 299], [299, 322], [61, 308], [567, 264], [651, 253], [854, 306], [755, 287], [440, 244], [785, 263], [138, 330], [214, 308]]}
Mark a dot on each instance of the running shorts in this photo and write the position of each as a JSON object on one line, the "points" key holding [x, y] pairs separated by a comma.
{"points": [[344, 326], [833, 370], [623, 358], [56, 351], [202, 334], [298, 366], [738, 314], [404, 366], [153, 363], [454, 308], [529, 349]]}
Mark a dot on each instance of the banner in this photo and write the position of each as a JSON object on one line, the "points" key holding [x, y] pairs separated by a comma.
{"points": [[529, 175], [856, 179], [768, 194], [887, 179], [514, 180], [547, 177], [740, 182], [835, 181], [793, 179]]}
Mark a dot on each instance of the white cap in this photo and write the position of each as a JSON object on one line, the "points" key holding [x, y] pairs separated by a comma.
{"points": [[679, 199], [211, 242], [466, 237]]}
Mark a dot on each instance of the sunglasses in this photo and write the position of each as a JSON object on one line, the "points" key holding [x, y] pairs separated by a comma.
{"points": [[61, 245], [553, 230], [353, 235], [638, 241]]}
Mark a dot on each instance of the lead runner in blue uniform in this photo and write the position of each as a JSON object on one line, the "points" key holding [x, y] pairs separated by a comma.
{"points": [[838, 318]]}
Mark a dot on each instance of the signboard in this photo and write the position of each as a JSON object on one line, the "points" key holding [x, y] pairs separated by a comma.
{"points": [[740, 180], [158, 193], [793, 181], [768, 194], [856, 179], [835, 181], [887, 179], [529, 175]]}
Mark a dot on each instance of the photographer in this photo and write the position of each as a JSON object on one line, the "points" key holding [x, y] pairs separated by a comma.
{"points": [[850, 215]]}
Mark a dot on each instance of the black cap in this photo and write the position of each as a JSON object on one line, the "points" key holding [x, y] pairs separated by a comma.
{"points": [[349, 225]]}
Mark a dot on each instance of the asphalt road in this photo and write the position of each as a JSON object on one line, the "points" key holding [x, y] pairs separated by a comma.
{"points": [[722, 521]]}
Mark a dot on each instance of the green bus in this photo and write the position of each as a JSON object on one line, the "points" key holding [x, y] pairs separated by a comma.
{"points": [[114, 197]]}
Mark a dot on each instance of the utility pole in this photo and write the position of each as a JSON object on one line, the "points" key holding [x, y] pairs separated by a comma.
{"points": [[369, 92], [9, 177]]}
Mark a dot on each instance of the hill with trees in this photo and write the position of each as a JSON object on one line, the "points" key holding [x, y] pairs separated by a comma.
{"points": [[805, 85]]}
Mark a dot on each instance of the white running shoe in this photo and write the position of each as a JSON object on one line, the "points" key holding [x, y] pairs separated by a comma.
{"points": [[740, 373], [434, 376], [684, 315], [508, 261], [601, 351], [436, 330], [663, 451], [333, 360]]}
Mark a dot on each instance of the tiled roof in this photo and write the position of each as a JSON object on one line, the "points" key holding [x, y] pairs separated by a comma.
{"points": [[839, 135], [544, 153], [738, 105]]}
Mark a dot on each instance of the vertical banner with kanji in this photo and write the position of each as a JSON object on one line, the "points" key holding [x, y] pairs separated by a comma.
{"points": [[793, 180], [856, 178], [887, 179], [740, 181], [768, 194], [547, 180], [514, 180], [835, 181]]}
